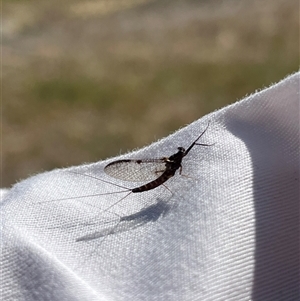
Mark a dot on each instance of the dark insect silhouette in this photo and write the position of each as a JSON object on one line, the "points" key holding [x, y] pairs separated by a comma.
{"points": [[157, 170]]}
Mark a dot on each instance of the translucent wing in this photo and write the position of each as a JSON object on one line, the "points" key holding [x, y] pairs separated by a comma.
{"points": [[136, 170]]}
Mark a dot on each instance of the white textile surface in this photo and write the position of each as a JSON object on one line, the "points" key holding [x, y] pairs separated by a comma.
{"points": [[227, 228]]}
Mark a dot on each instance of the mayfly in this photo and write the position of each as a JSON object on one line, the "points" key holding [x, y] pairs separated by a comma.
{"points": [[161, 169], [155, 172]]}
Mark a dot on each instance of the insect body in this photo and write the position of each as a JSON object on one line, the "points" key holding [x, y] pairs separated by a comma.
{"points": [[162, 169]]}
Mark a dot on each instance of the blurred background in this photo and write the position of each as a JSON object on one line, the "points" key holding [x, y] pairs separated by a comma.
{"points": [[86, 80]]}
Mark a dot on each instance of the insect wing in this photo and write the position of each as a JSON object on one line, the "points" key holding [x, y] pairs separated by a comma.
{"points": [[136, 170]]}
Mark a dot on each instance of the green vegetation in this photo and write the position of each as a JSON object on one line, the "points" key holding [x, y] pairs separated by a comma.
{"points": [[80, 85]]}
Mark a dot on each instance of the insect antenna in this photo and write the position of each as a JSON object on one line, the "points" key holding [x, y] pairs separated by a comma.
{"points": [[195, 142]]}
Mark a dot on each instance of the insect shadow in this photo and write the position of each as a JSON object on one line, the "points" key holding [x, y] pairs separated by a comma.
{"points": [[129, 222]]}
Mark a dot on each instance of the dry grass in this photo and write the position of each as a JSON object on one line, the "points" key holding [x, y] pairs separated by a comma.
{"points": [[81, 83]]}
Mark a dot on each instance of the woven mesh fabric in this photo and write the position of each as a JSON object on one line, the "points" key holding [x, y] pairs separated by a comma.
{"points": [[227, 228]]}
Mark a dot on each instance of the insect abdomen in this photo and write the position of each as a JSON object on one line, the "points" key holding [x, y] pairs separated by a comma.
{"points": [[157, 182]]}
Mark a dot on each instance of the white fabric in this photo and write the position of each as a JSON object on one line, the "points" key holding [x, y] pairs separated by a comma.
{"points": [[226, 229]]}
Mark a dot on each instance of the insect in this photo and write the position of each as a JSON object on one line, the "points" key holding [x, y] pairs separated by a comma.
{"points": [[158, 171], [161, 169], [155, 172]]}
